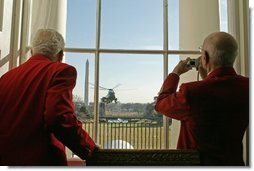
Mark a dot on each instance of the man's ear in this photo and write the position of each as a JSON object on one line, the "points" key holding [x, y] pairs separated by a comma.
{"points": [[60, 56], [206, 57]]}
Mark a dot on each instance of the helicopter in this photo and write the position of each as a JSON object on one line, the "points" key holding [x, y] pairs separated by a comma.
{"points": [[110, 97]]}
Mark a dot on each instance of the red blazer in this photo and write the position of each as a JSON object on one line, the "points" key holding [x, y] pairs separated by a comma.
{"points": [[37, 115], [214, 114]]}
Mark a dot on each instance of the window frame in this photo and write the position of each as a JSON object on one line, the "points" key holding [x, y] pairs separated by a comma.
{"points": [[97, 51]]}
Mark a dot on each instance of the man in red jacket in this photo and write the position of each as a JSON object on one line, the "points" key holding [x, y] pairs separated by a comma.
{"points": [[214, 112], [37, 117]]}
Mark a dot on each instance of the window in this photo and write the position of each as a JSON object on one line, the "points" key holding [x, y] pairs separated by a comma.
{"points": [[134, 77], [128, 48]]}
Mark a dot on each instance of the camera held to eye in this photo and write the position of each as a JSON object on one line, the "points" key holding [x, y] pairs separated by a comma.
{"points": [[194, 63]]}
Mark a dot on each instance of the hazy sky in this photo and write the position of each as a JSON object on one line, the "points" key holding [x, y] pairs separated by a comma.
{"points": [[125, 24]]}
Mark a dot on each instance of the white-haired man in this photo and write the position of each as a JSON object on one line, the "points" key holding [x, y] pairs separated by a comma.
{"points": [[37, 112]]}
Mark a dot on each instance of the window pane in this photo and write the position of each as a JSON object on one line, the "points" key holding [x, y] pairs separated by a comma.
{"points": [[139, 76], [132, 24], [223, 15], [81, 34], [172, 62], [83, 97], [130, 121], [173, 24]]}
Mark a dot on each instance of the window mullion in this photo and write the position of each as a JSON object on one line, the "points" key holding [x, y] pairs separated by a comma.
{"points": [[96, 81], [165, 144]]}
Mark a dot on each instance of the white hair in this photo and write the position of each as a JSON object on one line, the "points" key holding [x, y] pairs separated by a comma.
{"points": [[47, 42]]}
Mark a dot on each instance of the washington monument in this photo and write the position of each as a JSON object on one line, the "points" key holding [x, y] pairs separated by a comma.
{"points": [[86, 83]]}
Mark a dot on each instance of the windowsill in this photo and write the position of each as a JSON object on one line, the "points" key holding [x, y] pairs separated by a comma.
{"points": [[123, 157]]}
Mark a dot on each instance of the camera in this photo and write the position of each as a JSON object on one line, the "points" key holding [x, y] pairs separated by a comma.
{"points": [[194, 63]]}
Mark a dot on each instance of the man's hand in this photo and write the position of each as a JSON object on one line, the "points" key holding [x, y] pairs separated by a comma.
{"points": [[182, 67], [97, 146]]}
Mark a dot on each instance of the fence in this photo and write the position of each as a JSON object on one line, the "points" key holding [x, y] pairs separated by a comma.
{"points": [[128, 135]]}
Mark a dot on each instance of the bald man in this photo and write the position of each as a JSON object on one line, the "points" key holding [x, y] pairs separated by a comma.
{"points": [[214, 112]]}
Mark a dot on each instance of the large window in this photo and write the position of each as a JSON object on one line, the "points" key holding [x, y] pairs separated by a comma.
{"points": [[123, 50]]}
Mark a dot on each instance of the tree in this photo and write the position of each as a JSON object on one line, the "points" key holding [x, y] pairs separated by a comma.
{"points": [[150, 112], [77, 98], [83, 109]]}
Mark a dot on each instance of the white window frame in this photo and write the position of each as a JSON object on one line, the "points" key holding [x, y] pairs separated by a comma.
{"points": [[97, 51]]}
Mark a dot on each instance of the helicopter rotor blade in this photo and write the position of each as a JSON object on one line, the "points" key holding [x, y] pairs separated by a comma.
{"points": [[127, 89], [101, 88], [116, 86]]}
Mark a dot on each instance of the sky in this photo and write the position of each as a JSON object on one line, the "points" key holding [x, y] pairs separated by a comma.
{"points": [[125, 24]]}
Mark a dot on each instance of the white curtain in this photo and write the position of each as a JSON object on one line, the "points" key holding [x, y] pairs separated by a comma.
{"points": [[238, 21], [238, 24], [48, 14], [39, 14]]}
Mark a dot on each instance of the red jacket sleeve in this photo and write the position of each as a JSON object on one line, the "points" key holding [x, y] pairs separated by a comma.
{"points": [[171, 103], [59, 114]]}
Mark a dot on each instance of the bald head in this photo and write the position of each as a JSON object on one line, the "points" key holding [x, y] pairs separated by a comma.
{"points": [[222, 49]]}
